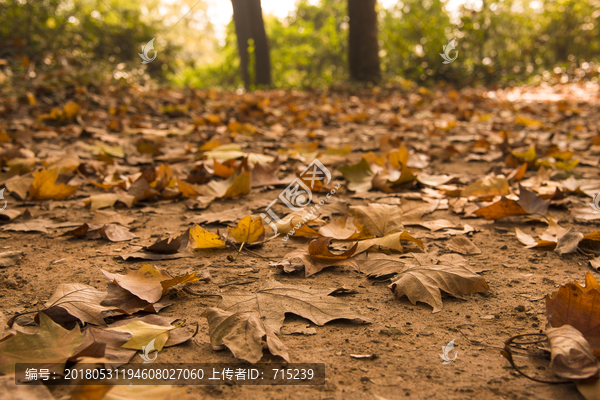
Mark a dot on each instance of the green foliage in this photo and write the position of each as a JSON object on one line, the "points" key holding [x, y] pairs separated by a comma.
{"points": [[89, 33], [505, 42]]}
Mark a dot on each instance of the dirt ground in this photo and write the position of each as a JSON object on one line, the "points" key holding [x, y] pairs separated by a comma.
{"points": [[405, 338]]}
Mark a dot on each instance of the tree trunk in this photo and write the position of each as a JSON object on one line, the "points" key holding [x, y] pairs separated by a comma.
{"points": [[363, 49], [249, 24]]}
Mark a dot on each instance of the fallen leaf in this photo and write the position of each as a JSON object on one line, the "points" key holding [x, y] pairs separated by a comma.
{"points": [[79, 300], [391, 241], [359, 176], [170, 245], [111, 217], [318, 250], [38, 225], [377, 219], [52, 344], [576, 305], [247, 230], [10, 258], [501, 209], [124, 301], [229, 215], [244, 333], [44, 186], [274, 301], [310, 265], [532, 203], [116, 233], [143, 333], [462, 245], [203, 239], [99, 201], [572, 356], [490, 186], [421, 277], [148, 283]]}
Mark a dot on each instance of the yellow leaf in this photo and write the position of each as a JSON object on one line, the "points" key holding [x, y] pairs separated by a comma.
{"points": [[44, 186], [248, 231], [398, 158], [204, 239], [143, 333], [71, 110], [186, 189]]}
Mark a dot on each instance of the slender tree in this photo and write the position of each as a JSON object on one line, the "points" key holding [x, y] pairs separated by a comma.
{"points": [[250, 28], [363, 49]]}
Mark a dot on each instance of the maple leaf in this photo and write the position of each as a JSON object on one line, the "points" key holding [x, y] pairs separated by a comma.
{"points": [[203, 239], [52, 344], [81, 301], [310, 265], [247, 230], [148, 283], [44, 186], [421, 277], [272, 302], [377, 219], [576, 305], [244, 333]]}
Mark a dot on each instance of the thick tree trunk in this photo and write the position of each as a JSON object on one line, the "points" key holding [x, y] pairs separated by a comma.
{"points": [[249, 24], [363, 49]]}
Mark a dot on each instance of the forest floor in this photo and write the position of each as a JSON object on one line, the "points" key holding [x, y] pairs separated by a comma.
{"points": [[453, 139]]}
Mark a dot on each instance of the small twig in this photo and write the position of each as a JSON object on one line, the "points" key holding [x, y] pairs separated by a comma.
{"points": [[189, 290], [236, 283]]}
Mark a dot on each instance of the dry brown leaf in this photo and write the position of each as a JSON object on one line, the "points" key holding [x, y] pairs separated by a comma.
{"points": [[148, 283], [111, 217], [99, 201], [310, 265], [81, 301], [116, 233], [421, 277], [532, 203], [244, 333], [391, 241], [576, 305], [170, 245], [342, 228], [377, 219], [489, 186], [52, 344], [126, 302], [572, 356], [274, 301], [462, 245], [44, 186], [318, 250], [10, 258]]}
